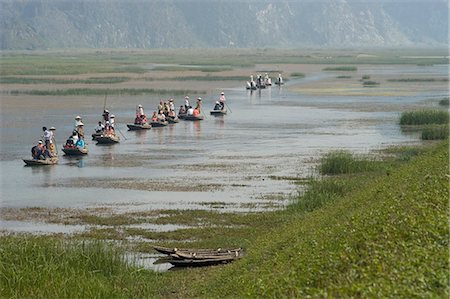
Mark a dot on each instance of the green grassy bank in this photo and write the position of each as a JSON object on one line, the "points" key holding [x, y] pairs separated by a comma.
{"points": [[369, 232]]}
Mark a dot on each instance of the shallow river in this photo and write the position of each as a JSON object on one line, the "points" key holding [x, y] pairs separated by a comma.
{"points": [[234, 162]]}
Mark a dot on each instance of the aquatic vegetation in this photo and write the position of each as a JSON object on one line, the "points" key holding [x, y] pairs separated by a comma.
{"points": [[92, 80], [444, 102], [435, 132], [370, 83], [345, 162], [424, 117], [419, 80], [341, 68], [343, 77], [297, 75], [102, 91]]}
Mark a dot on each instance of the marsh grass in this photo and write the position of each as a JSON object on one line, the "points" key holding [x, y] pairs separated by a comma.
{"points": [[424, 117], [297, 75], [444, 102], [92, 80], [343, 77], [341, 68], [413, 80], [435, 132], [370, 83], [345, 162], [102, 91]]}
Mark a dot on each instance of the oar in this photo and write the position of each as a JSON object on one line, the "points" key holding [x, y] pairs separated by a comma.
{"points": [[121, 133], [228, 107]]}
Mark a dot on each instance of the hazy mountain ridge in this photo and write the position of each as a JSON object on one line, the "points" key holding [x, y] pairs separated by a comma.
{"points": [[30, 24]]}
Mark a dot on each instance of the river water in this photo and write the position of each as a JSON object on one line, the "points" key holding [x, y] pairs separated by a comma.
{"points": [[234, 162]]}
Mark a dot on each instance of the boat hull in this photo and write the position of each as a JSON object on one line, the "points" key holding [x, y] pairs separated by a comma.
{"points": [[135, 127], [193, 118], [108, 139], [218, 112], [75, 151], [157, 124], [48, 161]]}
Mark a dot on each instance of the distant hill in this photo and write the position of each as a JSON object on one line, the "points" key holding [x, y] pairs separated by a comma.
{"points": [[42, 24]]}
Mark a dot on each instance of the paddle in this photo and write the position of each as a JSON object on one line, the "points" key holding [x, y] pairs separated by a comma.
{"points": [[228, 107], [121, 133]]}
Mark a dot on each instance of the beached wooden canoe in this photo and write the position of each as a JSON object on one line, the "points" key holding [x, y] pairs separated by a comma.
{"points": [[74, 151], [108, 139], [192, 251], [157, 124], [136, 127], [206, 255], [200, 262], [35, 162], [218, 112]]}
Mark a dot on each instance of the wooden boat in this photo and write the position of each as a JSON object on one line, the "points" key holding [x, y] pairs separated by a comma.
{"points": [[136, 127], [173, 120], [157, 124], [74, 151], [192, 251], [35, 162], [108, 139], [206, 255], [218, 112], [96, 135], [201, 262], [193, 117]]}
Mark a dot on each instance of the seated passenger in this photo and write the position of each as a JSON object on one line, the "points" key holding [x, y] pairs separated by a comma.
{"points": [[154, 116], [80, 143], [182, 110], [218, 106], [196, 112], [190, 111], [99, 128]]}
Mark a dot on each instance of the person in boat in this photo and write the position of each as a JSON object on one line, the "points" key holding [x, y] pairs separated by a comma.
{"points": [[196, 112], [161, 116], [154, 116], [161, 105], [222, 100], [37, 151], [199, 105], [139, 110], [112, 121], [74, 137], [78, 121], [186, 103], [47, 136], [182, 110], [99, 128], [109, 130], [218, 106], [280, 79], [143, 119], [190, 111], [171, 105], [80, 143], [52, 147], [171, 114], [105, 115], [80, 130]]}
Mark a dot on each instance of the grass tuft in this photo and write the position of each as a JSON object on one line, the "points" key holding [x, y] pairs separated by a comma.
{"points": [[341, 68], [344, 162]]}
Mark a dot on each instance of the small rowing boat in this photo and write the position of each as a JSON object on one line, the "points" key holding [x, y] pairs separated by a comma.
{"points": [[36, 162], [173, 120], [108, 139], [159, 123], [218, 112], [192, 251], [193, 117], [136, 127], [74, 150]]}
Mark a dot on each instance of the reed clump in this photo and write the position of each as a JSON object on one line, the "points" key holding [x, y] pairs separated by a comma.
{"points": [[444, 102], [424, 117], [435, 132]]}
